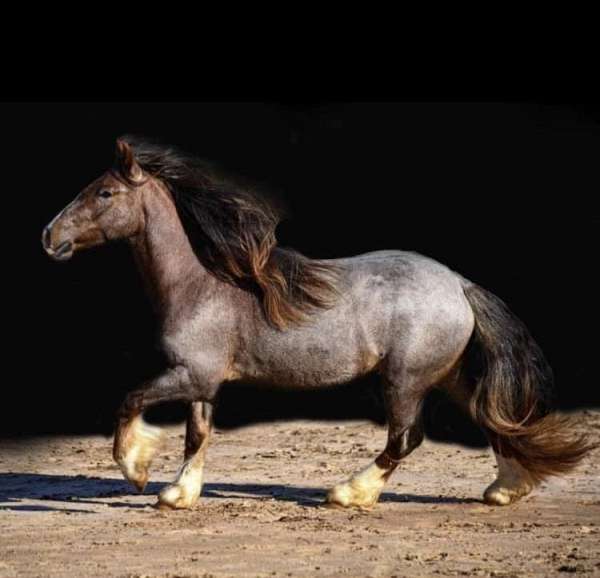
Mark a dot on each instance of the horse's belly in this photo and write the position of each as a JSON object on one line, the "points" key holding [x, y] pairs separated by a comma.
{"points": [[310, 364]]}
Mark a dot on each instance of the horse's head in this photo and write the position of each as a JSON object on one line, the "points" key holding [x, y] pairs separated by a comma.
{"points": [[108, 208]]}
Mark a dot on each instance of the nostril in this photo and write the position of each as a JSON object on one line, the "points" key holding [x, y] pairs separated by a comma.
{"points": [[46, 237]]}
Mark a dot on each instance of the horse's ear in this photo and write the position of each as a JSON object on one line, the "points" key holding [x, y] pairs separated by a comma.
{"points": [[126, 162]]}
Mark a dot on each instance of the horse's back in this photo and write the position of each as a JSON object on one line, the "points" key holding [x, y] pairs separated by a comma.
{"points": [[391, 304]]}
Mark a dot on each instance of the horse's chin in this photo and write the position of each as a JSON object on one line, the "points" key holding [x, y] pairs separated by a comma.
{"points": [[63, 257]]}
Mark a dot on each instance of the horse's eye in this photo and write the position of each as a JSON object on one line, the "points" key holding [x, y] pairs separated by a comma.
{"points": [[104, 194]]}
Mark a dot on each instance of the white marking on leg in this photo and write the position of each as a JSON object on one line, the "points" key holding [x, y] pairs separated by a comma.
{"points": [[513, 482], [185, 490], [139, 443], [362, 490]]}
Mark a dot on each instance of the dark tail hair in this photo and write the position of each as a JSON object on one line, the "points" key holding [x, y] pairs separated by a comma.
{"points": [[512, 395]]}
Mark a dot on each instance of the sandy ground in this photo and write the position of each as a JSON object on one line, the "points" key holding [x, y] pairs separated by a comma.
{"points": [[65, 511]]}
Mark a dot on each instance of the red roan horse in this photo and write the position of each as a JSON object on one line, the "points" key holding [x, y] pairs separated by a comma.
{"points": [[235, 306]]}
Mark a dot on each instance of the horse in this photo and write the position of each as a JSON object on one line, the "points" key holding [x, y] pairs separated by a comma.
{"points": [[233, 305]]}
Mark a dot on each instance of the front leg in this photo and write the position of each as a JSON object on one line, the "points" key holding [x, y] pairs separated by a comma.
{"points": [[185, 491], [136, 442]]}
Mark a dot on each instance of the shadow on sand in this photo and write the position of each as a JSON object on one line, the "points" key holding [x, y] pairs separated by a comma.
{"points": [[87, 490]]}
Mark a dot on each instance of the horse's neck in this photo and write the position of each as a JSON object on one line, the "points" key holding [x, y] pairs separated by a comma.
{"points": [[164, 255]]}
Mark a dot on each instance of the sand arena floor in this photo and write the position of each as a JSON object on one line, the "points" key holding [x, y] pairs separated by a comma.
{"points": [[65, 511]]}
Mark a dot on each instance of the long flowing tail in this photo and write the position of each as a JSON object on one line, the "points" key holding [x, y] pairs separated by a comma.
{"points": [[512, 395]]}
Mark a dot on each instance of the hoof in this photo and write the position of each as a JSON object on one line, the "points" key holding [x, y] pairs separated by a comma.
{"points": [[513, 482], [362, 491], [498, 495], [140, 480], [347, 496], [331, 505], [134, 455], [175, 497]]}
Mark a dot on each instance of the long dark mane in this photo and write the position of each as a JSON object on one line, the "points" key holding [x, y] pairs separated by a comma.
{"points": [[232, 230]]}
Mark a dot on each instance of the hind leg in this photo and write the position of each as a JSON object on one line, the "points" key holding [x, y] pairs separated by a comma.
{"points": [[185, 490], [513, 482], [405, 433]]}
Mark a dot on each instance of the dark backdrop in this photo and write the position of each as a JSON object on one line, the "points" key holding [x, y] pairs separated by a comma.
{"points": [[504, 193]]}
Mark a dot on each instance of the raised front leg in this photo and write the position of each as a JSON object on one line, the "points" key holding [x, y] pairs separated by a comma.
{"points": [[136, 442], [185, 490]]}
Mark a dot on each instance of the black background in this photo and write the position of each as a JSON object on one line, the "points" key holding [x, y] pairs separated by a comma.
{"points": [[504, 193]]}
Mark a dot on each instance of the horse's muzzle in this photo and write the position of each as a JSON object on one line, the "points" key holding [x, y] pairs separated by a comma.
{"points": [[63, 252]]}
